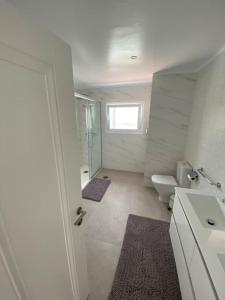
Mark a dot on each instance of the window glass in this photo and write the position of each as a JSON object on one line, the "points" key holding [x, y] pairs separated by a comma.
{"points": [[124, 117]]}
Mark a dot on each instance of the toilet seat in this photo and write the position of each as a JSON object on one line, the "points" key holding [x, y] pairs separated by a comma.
{"points": [[165, 180]]}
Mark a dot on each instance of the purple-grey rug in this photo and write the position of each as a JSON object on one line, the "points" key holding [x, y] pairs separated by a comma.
{"points": [[146, 268], [95, 189]]}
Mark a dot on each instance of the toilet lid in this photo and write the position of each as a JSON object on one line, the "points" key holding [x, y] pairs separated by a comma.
{"points": [[164, 179]]}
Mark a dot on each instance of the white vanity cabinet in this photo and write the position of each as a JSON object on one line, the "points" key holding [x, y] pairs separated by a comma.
{"points": [[182, 270], [193, 277], [200, 279]]}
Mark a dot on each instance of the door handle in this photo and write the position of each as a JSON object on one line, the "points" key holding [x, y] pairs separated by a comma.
{"points": [[81, 213]]}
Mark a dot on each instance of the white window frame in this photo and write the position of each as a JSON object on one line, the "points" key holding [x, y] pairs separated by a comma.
{"points": [[139, 130]]}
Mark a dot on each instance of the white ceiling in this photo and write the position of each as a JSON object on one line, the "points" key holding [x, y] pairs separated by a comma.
{"points": [[165, 34]]}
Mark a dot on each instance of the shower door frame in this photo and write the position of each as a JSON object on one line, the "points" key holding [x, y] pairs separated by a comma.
{"points": [[89, 100]]}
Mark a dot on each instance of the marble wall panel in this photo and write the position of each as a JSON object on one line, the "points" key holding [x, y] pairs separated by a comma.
{"points": [[170, 110]]}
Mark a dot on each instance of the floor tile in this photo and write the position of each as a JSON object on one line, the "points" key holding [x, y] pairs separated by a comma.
{"points": [[105, 225]]}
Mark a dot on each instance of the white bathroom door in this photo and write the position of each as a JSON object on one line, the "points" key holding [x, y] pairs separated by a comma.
{"points": [[42, 253]]}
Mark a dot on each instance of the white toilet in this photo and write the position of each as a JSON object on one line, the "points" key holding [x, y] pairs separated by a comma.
{"points": [[165, 184]]}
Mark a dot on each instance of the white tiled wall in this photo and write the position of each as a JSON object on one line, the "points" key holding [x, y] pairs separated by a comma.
{"points": [[170, 111], [123, 151], [206, 139]]}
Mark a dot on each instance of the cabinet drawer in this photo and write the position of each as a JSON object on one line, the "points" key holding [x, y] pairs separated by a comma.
{"points": [[182, 271], [200, 280], [184, 230]]}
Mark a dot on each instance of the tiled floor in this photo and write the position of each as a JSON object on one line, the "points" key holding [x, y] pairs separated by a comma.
{"points": [[106, 221]]}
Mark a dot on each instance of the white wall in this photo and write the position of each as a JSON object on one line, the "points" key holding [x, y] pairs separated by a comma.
{"points": [[171, 102], [206, 139], [123, 151]]}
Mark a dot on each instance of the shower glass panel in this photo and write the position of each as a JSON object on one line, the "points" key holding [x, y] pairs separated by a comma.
{"points": [[94, 137], [88, 115], [82, 121]]}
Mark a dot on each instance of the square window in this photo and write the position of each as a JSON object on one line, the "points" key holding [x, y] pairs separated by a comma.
{"points": [[124, 117]]}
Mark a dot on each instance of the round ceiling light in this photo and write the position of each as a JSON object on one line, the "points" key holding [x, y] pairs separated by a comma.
{"points": [[133, 57]]}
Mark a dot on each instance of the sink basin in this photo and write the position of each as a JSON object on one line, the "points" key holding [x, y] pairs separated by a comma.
{"points": [[221, 257], [208, 211]]}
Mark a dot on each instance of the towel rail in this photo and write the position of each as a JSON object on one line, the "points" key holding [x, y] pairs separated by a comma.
{"points": [[208, 178]]}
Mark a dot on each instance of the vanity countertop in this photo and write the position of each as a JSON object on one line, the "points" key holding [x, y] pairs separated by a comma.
{"points": [[211, 241]]}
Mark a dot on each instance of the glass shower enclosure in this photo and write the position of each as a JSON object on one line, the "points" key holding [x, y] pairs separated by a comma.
{"points": [[89, 128]]}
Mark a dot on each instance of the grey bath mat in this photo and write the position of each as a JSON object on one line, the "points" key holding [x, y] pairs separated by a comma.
{"points": [[146, 268], [95, 189]]}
